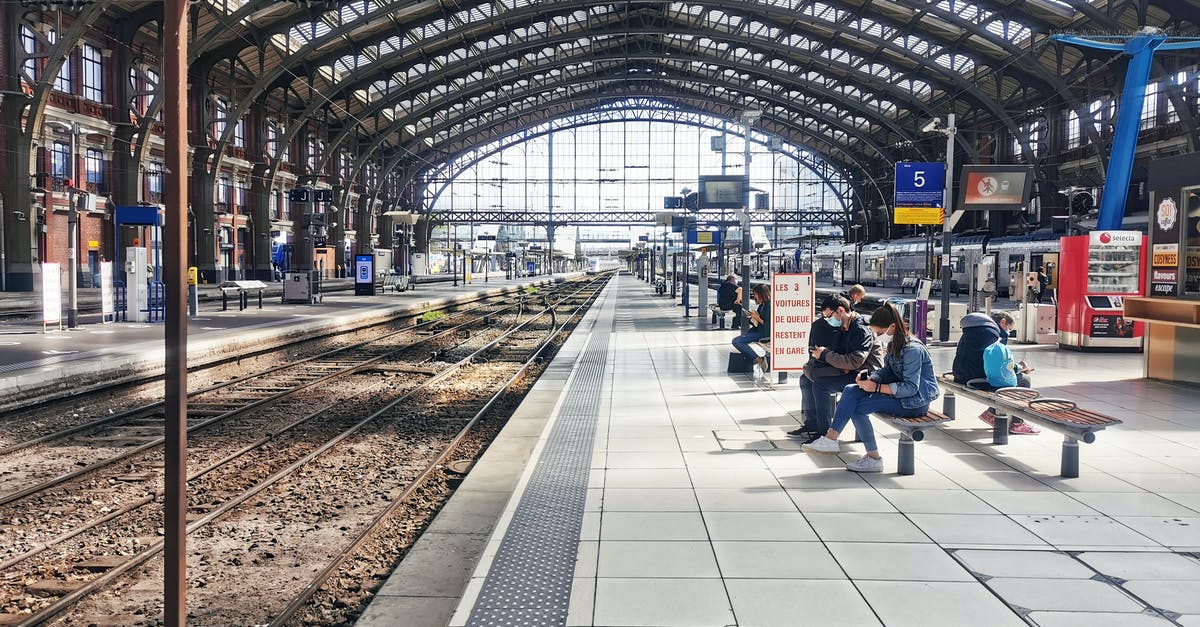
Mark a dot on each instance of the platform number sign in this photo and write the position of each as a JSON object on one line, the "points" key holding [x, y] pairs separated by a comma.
{"points": [[792, 315], [919, 189]]}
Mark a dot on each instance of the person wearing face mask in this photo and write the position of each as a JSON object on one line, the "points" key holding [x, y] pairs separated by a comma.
{"points": [[835, 364], [904, 386]]}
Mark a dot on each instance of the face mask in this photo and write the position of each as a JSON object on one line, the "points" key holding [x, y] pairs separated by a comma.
{"points": [[833, 322]]}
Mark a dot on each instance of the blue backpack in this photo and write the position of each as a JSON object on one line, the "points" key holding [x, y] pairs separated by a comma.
{"points": [[998, 366]]}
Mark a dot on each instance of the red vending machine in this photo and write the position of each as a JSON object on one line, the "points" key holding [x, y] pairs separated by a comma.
{"points": [[1096, 272]]}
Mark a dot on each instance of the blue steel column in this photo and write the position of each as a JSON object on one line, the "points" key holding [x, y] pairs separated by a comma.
{"points": [[1141, 48]]}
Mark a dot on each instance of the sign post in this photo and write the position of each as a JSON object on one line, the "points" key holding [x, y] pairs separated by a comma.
{"points": [[364, 275], [791, 320], [919, 191]]}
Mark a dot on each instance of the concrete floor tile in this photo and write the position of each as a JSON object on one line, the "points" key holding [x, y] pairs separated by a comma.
{"points": [[958, 530], [1172, 596], [590, 529], [1190, 500], [585, 558], [936, 604], [730, 459], [1009, 563], [832, 479], [644, 478], [993, 479], [662, 603], [1064, 595], [775, 560], [877, 527], [863, 500], [1065, 531], [773, 499], [649, 500], [743, 478], [778, 526], [1097, 619], [1180, 533], [1163, 566], [897, 562], [789, 603], [1045, 503], [643, 445], [620, 558], [924, 479], [583, 598], [644, 460], [1163, 482], [652, 526], [415, 611], [1131, 504], [937, 502]]}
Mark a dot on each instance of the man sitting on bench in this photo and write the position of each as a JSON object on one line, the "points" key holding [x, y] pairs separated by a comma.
{"points": [[729, 298], [978, 333]]}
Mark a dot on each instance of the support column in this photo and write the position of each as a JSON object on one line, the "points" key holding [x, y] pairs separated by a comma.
{"points": [[259, 198], [19, 270]]}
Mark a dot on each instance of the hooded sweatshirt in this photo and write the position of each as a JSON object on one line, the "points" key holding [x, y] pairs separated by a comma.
{"points": [[979, 331]]}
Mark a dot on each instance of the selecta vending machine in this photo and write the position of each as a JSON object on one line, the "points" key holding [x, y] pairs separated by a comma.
{"points": [[1096, 272]]}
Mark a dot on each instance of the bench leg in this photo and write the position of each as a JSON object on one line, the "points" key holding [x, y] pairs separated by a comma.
{"points": [[948, 401], [782, 378], [1000, 429], [1070, 457], [906, 460]]}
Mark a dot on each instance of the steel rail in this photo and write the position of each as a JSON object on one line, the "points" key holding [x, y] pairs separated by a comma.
{"points": [[100, 582]]}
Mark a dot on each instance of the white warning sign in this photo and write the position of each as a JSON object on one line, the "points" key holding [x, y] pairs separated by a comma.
{"points": [[792, 311]]}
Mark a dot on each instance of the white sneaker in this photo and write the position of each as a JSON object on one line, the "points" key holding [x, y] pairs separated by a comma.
{"points": [[822, 445], [758, 373], [866, 464]]}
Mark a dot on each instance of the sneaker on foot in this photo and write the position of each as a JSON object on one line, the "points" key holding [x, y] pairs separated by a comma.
{"points": [[866, 463], [804, 434], [1023, 428], [989, 417], [822, 445]]}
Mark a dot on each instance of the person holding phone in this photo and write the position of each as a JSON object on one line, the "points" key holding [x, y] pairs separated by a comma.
{"points": [[760, 323], [904, 386]]}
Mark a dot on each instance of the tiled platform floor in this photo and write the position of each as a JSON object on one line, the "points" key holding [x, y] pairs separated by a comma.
{"points": [[700, 511]]}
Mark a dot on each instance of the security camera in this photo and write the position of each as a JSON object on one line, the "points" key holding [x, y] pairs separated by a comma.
{"points": [[932, 125]]}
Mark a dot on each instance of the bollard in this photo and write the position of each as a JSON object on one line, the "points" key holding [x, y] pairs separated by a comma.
{"points": [[1000, 429], [1070, 457], [948, 407], [906, 464], [224, 300], [260, 299]]}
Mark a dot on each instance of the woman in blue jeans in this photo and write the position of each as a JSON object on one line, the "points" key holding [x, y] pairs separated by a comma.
{"points": [[760, 321], [904, 386]]}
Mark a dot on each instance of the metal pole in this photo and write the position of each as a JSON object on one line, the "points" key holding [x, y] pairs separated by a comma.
{"points": [[175, 49], [73, 236], [746, 245], [948, 204]]}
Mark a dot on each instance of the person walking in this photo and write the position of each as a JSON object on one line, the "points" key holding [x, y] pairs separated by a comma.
{"points": [[904, 386]]}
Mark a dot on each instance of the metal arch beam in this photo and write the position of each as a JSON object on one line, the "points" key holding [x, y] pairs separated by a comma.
{"points": [[652, 55], [951, 78], [515, 122], [520, 139], [685, 78]]}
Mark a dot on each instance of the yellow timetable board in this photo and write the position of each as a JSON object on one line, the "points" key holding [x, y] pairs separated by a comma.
{"points": [[919, 215]]}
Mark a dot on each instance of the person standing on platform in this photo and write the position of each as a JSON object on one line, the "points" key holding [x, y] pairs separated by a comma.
{"points": [[760, 324], [853, 349], [1034, 287], [1043, 283], [856, 295], [904, 386], [729, 298]]}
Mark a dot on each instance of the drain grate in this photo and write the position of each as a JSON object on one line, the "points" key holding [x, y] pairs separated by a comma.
{"points": [[529, 582]]}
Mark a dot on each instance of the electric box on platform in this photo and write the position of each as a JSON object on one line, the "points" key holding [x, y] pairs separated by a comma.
{"points": [[296, 288]]}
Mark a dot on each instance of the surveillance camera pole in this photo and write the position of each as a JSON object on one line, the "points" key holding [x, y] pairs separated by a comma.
{"points": [[947, 229], [72, 239]]}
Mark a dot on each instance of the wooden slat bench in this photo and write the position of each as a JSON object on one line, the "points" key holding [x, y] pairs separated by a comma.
{"points": [[1056, 414], [912, 429]]}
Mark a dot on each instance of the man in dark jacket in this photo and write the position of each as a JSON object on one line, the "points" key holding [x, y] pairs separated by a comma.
{"points": [[980, 331], [834, 365], [729, 298]]}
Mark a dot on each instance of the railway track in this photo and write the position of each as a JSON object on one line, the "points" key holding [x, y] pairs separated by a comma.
{"points": [[237, 464]]}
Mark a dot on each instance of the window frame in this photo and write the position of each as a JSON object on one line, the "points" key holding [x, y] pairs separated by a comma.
{"points": [[60, 160], [94, 156], [92, 64]]}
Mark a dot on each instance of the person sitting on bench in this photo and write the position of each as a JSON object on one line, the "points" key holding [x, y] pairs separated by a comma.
{"points": [[760, 322], [834, 363], [979, 331], [729, 298], [904, 386]]}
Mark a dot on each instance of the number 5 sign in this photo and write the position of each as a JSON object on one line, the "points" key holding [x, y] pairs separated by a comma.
{"points": [[919, 188]]}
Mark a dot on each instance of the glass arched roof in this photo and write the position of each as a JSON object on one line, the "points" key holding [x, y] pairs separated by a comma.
{"points": [[853, 81]]}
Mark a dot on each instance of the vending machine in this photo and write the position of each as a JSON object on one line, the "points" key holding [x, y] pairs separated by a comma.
{"points": [[1097, 272]]}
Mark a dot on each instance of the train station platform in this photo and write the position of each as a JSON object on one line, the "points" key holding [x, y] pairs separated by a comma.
{"points": [[49, 364], [639, 484]]}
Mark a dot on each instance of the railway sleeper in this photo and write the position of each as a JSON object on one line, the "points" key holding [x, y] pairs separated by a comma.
{"points": [[53, 587], [102, 563]]}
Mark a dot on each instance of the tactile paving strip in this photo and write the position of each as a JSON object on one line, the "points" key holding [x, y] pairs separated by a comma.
{"points": [[529, 582]]}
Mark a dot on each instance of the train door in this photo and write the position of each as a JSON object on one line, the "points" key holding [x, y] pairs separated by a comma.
{"points": [[838, 277], [1048, 261]]}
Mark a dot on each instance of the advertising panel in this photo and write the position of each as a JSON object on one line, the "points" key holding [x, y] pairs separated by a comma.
{"points": [[51, 294], [107, 310], [995, 187], [792, 318]]}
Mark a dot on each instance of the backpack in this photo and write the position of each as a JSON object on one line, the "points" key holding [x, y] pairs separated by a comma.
{"points": [[998, 366]]}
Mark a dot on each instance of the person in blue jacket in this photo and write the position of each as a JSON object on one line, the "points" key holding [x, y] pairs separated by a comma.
{"points": [[904, 386]]}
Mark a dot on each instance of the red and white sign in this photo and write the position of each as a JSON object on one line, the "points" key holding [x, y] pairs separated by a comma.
{"points": [[792, 310], [1115, 238]]}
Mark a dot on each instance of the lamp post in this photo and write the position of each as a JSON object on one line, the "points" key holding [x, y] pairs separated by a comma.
{"points": [[749, 117], [72, 225], [947, 272]]}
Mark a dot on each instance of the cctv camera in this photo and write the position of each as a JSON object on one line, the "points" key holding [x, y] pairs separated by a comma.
{"points": [[931, 125]]}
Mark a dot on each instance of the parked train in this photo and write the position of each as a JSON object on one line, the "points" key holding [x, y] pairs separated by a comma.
{"points": [[889, 263]]}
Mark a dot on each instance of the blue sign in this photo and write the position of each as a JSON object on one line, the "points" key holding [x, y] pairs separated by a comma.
{"points": [[920, 184]]}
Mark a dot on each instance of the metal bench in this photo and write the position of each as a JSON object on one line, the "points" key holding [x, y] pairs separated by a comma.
{"points": [[908, 283], [1055, 414], [398, 282], [242, 289], [912, 429], [718, 314]]}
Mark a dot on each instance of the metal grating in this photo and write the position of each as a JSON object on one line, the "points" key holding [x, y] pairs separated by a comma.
{"points": [[529, 582]]}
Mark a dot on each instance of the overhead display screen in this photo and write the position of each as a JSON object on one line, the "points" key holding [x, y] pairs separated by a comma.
{"points": [[722, 192], [995, 187]]}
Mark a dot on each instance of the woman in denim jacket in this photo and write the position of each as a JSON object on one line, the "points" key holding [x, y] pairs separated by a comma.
{"points": [[904, 386]]}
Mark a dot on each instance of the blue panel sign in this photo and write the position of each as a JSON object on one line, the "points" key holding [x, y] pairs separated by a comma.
{"points": [[137, 215], [920, 184]]}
